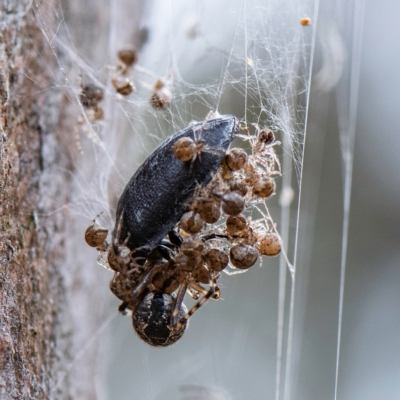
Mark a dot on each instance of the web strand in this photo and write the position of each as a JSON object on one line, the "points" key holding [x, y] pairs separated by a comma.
{"points": [[348, 157]]}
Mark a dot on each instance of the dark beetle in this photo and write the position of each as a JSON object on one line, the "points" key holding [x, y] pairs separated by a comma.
{"points": [[161, 190]]}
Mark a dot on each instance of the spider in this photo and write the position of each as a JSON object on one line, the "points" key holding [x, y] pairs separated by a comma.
{"points": [[90, 97], [191, 148], [127, 58], [262, 144], [146, 284], [161, 96], [195, 263]]}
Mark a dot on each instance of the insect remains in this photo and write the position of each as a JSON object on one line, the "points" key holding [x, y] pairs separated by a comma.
{"points": [[169, 239], [161, 97], [127, 58]]}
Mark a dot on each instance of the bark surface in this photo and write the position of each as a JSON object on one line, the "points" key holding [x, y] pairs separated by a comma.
{"points": [[38, 313]]}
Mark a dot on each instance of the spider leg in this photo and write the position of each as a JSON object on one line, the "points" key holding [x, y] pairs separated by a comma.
{"points": [[177, 305], [245, 137], [126, 240], [217, 151], [195, 308], [210, 293], [198, 288], [175, 237], [231, 273], [274, 143], [141, 252], [145, 279], [196, 135], [119, 228], [194, 294], [192, 161], [217, 293], [207, 118], [97, 216], [211, 236], [164, 251], [122, 307]]}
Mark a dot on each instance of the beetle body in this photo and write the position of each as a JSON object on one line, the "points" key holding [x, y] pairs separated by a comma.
{"points": [[161, 190]]}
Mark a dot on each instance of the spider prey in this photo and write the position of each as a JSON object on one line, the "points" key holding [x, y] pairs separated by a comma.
{"points": [[152, 274], [189, 181]]}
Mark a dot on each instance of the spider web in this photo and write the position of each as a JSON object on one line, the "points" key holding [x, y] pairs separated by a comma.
{"points": [[252, 59]]}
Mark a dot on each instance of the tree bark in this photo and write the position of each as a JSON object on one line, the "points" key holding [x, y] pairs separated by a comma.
{"points": [[37, 335]]}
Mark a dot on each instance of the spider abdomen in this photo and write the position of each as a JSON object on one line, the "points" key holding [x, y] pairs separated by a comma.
{"points": [[152, 318]]}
